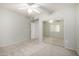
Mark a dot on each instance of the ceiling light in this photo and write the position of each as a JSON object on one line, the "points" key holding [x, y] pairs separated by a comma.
{"points": [[29, 10], [50, 21]]}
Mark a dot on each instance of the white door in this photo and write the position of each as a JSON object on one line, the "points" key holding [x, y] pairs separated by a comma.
{"points": [[34, 30]]}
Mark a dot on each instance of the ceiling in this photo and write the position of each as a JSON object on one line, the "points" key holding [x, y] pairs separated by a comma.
{"points": [[40, 7]]}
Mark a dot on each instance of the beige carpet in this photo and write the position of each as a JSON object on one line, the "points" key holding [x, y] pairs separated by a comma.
{"points": [[54, 41], [35, 48]]}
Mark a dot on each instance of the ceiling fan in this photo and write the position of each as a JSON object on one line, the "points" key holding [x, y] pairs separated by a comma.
{"points": [[31, 7]]}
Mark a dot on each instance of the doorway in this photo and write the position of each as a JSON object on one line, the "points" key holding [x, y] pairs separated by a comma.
{"points": [[53, 32], [34, 30]]}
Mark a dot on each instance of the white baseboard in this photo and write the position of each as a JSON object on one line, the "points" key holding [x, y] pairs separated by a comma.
{"points": [[13, 43]]}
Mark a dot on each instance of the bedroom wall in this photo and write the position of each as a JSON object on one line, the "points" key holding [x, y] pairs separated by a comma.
{"points": [[77, 29], [14, 27], [69, 16]]}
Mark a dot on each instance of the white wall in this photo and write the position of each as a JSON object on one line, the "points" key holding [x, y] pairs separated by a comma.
{"points": [[32, 30], [77, 28], [69, 16], [36, 29], [14, 27]]}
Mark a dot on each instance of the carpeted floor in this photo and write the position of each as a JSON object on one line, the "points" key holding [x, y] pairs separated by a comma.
{"points": [[54, 41], [35, 48]]}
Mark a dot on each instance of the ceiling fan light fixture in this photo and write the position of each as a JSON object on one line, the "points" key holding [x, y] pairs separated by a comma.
{"points": [[36, 11], [29, 10]]}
